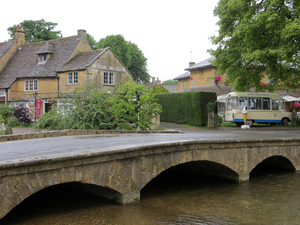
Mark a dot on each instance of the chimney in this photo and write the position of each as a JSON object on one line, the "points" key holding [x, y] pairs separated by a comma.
{"points": [[191, 64], [153, 79], [20, 36], [81, 34], [158, 81]]}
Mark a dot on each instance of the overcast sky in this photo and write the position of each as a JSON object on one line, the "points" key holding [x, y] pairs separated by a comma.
{"points": [[166, 31]]}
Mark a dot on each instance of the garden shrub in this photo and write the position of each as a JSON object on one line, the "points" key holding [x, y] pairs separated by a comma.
{"points": [[2, 120], [22, 113], [13, 122], [5, 112]]}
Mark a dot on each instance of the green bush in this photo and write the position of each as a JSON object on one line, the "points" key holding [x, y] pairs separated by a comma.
{"points": [[186, 108], [5, 112], [13, 122], [297, 121], [2, 120]]}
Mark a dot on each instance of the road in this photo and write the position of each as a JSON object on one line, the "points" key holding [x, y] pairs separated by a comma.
{"points": [[46, 148]]}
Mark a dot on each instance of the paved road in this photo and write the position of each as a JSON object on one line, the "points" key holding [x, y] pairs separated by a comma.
{"points": [[36, 149]]}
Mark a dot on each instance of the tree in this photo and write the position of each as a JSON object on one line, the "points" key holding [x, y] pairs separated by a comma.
{"points": [[118, 44], [258, 38], [132, 103], [138, 64], [91, 41], [129, 53], [171, 82], [36, 30]]}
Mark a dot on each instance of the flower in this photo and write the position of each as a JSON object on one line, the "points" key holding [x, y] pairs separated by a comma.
{"points": [[296, 105], [218, 77]]}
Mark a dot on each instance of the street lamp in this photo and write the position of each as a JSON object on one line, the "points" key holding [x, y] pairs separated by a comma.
{"points": [[35, 94]]}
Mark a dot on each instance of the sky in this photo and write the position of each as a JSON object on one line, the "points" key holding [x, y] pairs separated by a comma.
{"points": [[170, 33]]}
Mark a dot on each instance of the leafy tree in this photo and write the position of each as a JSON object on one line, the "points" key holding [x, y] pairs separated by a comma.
{"points": [[129, 53], [91, 41], [258, 38], [138, 64], [171, 82], [133, 104], [36, 30], [118, 44]]}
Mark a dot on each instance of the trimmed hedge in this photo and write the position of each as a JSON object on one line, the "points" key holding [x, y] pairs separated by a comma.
{"points": [[186, 108]]}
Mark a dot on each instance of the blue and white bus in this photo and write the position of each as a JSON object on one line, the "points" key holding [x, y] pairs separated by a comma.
{"points": [[262, 107]]}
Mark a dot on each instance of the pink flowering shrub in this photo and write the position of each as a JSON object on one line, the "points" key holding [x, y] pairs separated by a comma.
{"points": [[22, 113], [218, 77], [296, 105]]}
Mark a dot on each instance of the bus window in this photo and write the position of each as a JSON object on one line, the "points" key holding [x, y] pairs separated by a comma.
{"points": [[266, 103], [281, 105], [244, 102], [232, 103], [252, 102], [275, 105]]}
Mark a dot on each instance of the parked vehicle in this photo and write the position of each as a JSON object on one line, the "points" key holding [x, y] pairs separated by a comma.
{"points": [[262, 107]]}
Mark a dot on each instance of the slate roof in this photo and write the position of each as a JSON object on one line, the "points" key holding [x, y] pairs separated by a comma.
{"points": [[183, 76], [24, 62], [219, 89], [203, 64], [171, 89], [83, 59], [4, 46]]}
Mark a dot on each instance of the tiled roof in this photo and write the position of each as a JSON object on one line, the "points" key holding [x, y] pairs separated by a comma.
{"points": [[24, 62], [219, 89], [202, 64], [171, 89], [5, 46], [83, 59], [183, 76]]}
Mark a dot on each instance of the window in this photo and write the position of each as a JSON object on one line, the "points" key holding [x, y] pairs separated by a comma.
{"points": [[2, 93], [183, 86], [42, 58], [30, 85], [108, 78], [73, 78], [232, 103]]}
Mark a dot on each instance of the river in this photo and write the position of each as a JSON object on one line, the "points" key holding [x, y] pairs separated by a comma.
{"points": [[172, 198]]}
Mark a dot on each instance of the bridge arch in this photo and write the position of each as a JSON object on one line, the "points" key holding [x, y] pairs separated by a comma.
{"points": [[274, 163]]}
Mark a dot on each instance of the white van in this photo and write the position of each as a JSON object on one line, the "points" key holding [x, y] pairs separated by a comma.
{"points": [[262, 107]]}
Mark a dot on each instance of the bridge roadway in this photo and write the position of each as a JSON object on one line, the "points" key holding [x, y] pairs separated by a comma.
{"points": [[118, 166]]}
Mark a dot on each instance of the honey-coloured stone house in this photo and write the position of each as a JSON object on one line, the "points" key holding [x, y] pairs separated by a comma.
{"points": [[40, 70]]}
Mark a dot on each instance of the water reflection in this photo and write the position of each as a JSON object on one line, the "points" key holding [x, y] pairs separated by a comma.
{"points": [[172, 198]]}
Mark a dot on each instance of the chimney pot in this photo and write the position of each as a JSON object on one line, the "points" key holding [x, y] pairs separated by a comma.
{"points": [[191, 64]]}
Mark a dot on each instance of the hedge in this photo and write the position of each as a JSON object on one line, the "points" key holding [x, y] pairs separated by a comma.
{"points": [[186, 108]]}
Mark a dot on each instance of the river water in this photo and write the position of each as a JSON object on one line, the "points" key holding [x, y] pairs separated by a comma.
{"points": [[172, 198]]}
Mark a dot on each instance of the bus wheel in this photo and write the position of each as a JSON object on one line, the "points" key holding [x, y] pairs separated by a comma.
{"points": [[239, 124], [284, 122], [250, 122]]}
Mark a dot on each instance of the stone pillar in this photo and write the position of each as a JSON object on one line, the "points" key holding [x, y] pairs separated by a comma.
{"points": [[243, 178], [129, 198]]}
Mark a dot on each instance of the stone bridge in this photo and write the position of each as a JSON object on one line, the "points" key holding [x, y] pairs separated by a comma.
{"points": [[121, 174]]}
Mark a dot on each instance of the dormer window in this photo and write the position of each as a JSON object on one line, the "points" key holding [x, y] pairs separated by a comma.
{"points": [[42, 57]]}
